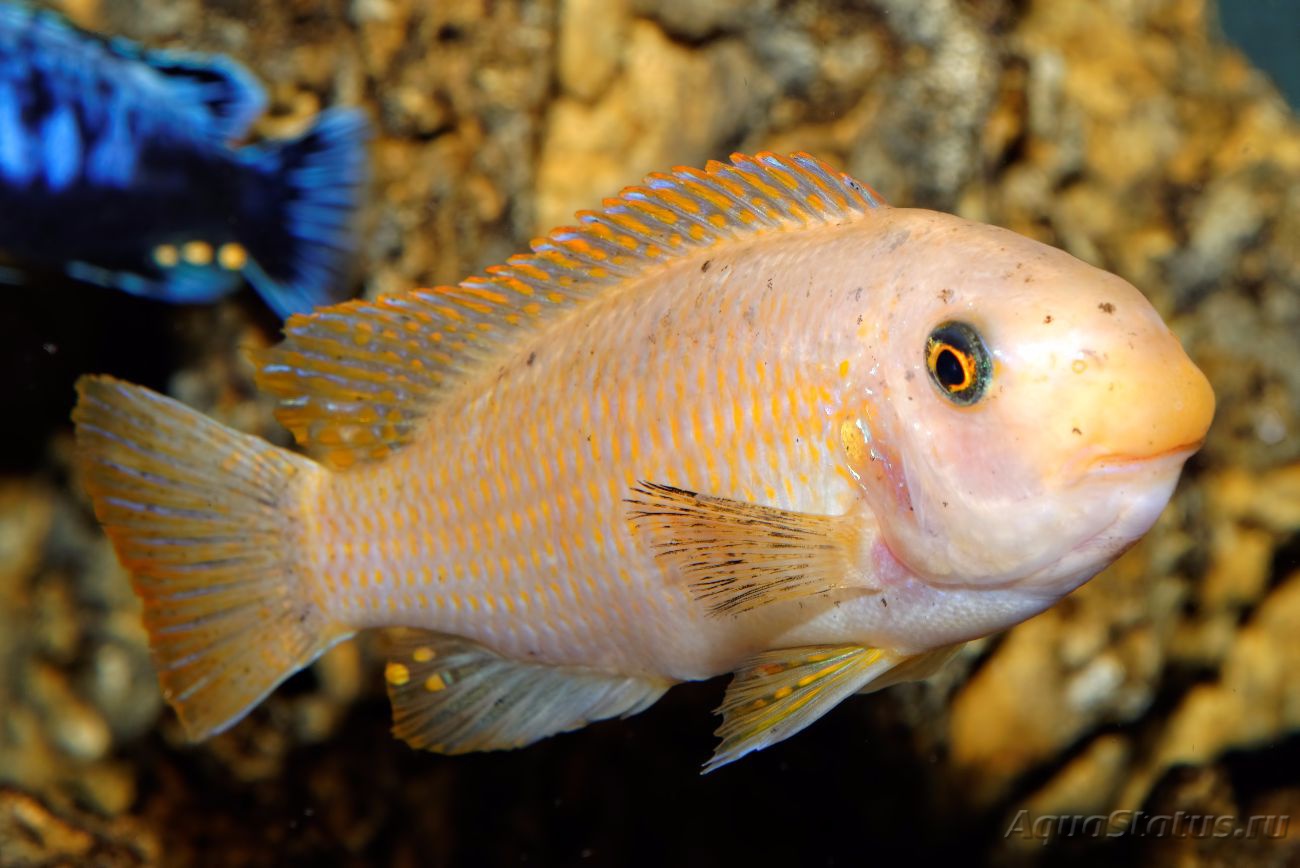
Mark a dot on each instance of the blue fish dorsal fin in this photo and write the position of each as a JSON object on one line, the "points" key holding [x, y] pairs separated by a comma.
{"points": [[229, 94], [223, 93], [356, 381]]}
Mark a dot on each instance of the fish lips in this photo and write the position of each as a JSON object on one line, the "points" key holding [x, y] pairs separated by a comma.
{"points": [[1118, 463]]}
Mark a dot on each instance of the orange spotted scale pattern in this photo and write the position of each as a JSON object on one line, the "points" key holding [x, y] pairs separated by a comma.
{"points": [[502, 517]]}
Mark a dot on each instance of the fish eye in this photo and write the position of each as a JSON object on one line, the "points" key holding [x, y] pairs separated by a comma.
{"points": [[958, 362]]}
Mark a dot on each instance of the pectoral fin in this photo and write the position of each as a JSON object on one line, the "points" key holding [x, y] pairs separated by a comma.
{"points": [[778, 693], [738, 556], [451, 695]]}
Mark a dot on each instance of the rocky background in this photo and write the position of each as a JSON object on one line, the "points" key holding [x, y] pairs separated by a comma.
{"points": [[1124, 131]]}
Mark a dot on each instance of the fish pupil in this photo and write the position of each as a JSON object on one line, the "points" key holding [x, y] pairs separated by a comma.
{"points": [[949, 370]]}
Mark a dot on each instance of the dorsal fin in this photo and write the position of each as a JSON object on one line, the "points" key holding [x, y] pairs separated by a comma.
{"points": [[356, 380], [227, 92], [219, 96]]}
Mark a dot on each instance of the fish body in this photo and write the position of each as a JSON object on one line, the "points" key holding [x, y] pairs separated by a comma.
{"points": [[746, 420], [116, 164]]}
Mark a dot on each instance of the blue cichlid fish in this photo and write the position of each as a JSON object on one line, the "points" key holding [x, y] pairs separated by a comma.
{"points": [[116, 165], [747, 419]]}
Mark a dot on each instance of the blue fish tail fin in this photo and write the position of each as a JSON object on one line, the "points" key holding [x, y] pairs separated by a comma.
{"points": [[297, 224]]}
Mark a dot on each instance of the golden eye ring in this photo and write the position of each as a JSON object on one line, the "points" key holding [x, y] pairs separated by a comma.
{"points": [[959, 364]]}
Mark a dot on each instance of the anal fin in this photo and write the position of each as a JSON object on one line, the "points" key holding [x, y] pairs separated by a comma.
{"points": [[778, 693], [452, 695]]}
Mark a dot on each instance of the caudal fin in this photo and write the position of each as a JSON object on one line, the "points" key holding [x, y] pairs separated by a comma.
{"points": [[297, 221], [204, 519]]}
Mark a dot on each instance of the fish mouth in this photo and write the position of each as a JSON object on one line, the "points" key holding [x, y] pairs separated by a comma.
{"points": [[1120, 463]]}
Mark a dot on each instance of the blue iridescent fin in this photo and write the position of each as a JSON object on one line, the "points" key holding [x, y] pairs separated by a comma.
{"points": [[185, 284], [229, 96], [298, 222], [232, 96]]}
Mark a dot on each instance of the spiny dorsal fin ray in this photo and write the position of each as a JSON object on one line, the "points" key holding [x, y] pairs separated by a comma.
{"points": [[738, 556], [356, 380], [453, 696]]}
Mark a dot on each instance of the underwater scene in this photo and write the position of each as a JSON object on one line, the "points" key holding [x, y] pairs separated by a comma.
{"points": [[513, 432]]}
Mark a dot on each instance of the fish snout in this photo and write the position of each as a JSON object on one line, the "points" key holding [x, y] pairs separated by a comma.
{"points": [[1149, 402]]}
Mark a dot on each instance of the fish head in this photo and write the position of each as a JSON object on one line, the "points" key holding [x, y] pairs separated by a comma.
{"points": [[1030, 414]]}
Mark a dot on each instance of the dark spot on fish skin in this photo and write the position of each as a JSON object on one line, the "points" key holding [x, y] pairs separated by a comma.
{"points": [[1076, 431], [532, 357], [899, 239], [857, 294], [945, 295], [1106, 307], [769, 284], [909, 375], [884, 602], [1047, 319], [945, 504], [705, 266]]}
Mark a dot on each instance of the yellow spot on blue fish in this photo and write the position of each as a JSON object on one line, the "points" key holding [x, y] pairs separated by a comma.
{"points": [[166, 255], [232, 256], [197, 252]]}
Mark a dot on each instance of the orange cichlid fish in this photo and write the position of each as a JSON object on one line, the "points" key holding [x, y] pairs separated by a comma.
{"points": [[748, 419]]}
